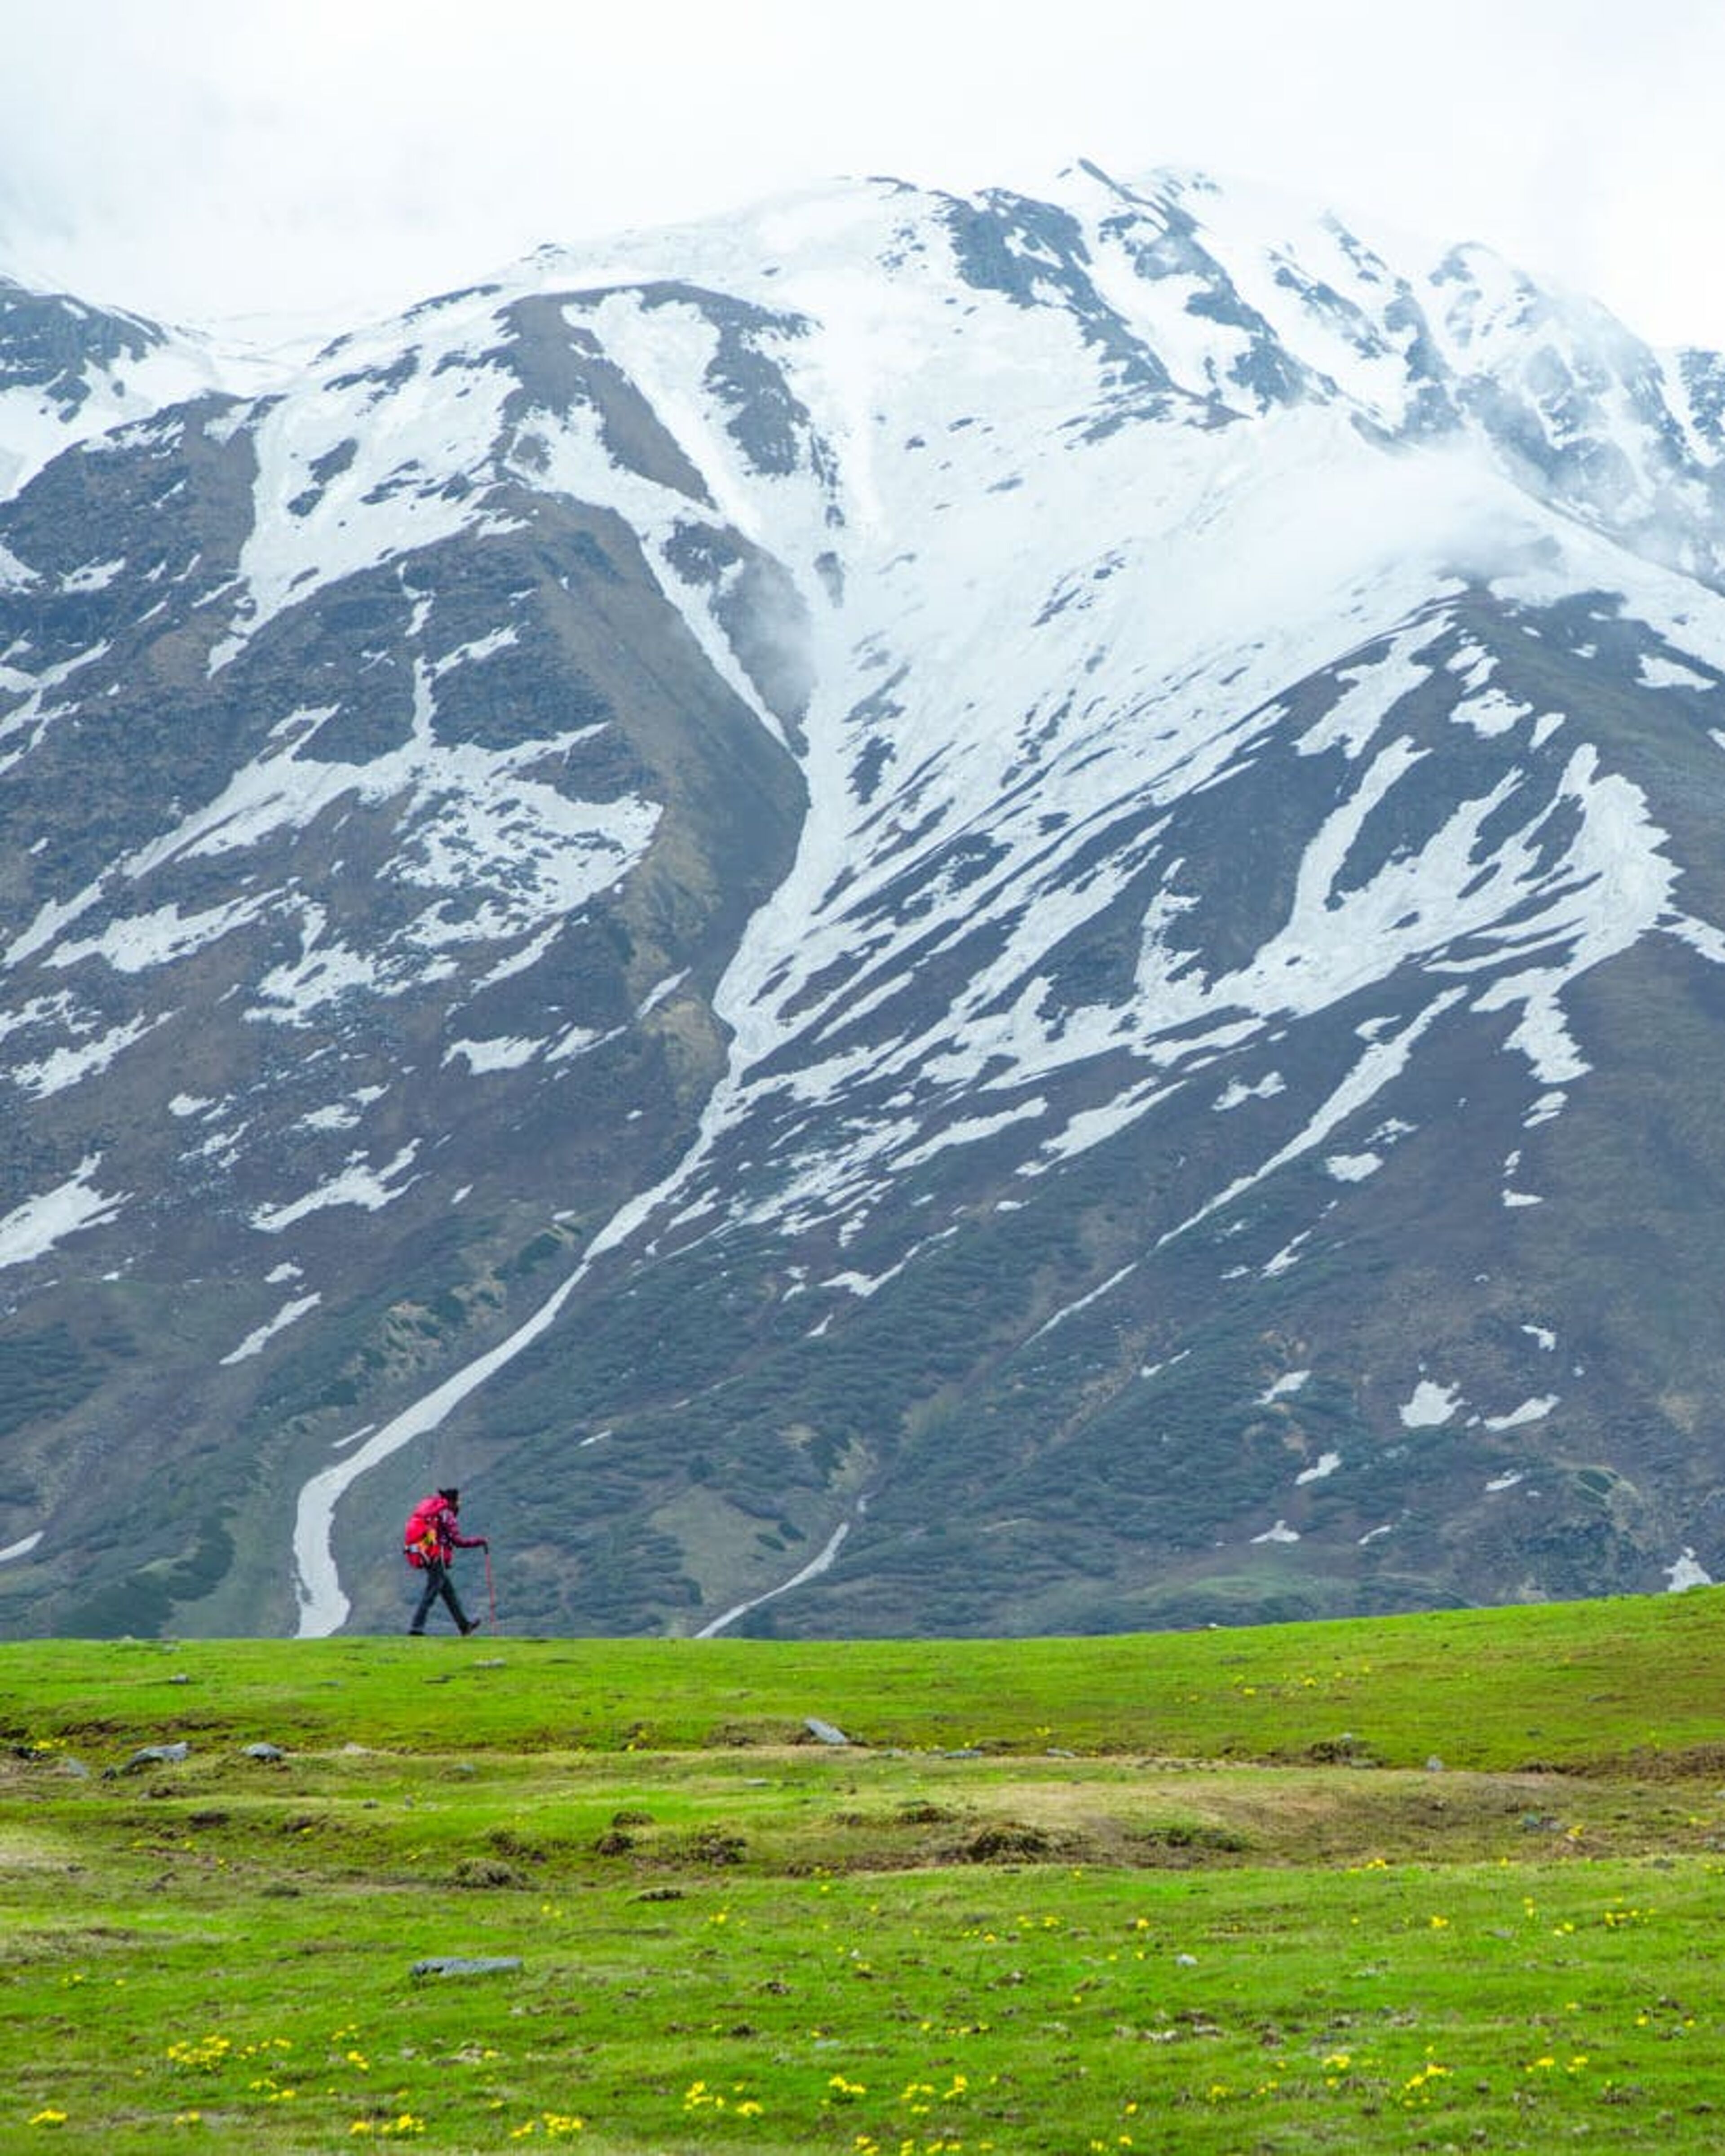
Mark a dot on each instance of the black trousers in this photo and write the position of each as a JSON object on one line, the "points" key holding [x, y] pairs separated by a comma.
{"points": [[439, 1582]]}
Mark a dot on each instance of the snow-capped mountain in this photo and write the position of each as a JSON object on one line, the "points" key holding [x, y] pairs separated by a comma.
{"points": [[910, 913]]}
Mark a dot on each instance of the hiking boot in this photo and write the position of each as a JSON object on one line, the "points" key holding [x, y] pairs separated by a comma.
{"points": [[472, 1624]]}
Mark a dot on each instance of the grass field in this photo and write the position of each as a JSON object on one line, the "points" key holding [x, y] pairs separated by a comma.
{"points": [[1445, 1883]]}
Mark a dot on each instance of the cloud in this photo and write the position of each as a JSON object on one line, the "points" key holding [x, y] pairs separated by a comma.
{"points": [[204, 158]]}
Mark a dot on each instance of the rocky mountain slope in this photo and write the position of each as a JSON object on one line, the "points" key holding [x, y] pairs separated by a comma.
{"points": [[911, 914]]}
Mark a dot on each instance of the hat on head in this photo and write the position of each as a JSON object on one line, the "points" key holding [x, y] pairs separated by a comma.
{"points": [[453, 1495]]}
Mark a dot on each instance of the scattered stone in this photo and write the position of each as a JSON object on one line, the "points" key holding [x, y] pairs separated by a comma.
{"points": [[264, 1752], [1185, 1961], [1433, 1765], [151, 1755], [824, 1732], [467, 1965]]}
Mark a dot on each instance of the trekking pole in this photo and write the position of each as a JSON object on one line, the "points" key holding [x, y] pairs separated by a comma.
{"points": [[491, 1587]]}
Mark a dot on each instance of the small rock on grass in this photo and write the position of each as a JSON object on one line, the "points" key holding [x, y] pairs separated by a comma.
{"points": [[151, 1755], [467, 1965]]}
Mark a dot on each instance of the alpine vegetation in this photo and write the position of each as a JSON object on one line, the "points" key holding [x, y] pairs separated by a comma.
{"points": [[909, 914]]}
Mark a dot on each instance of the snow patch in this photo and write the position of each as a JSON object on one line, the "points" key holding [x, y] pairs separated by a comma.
{"points": [[1239, 1092], [136, 945], [1492, 713], [823, 1562], [500, 1054], [65, 1067], [1431, 1406], [253, 1342], [358, 1184], [33, 1229], [1529, 1411], [660, 991], [1658, 673]]}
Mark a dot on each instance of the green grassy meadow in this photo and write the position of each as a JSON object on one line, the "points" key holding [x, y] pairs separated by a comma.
{"points": [[1450, 1882]]}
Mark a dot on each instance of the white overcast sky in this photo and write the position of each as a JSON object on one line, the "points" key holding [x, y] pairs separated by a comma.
{"points": [[201, 159]]}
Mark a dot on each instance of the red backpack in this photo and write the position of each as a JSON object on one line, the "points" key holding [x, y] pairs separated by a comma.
{"points": [[420, 1540]]}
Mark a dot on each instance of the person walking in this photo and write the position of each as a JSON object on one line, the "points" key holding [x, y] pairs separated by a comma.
{"points": [[432, 1537]]}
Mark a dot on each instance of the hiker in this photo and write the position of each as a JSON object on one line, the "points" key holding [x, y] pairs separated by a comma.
{"points": [[432, 1537]]}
